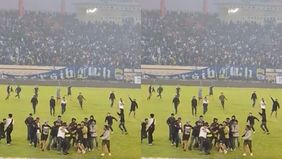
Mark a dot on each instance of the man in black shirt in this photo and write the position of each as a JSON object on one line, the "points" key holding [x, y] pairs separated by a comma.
{"points": [[72, 130], [175, 130], [52, 104], [122, 122], [34, 102], [69, 90], [160, 91], [251, 120], [44, 135], [194, 104], [53, 137], [9, 88], [33, 133], [150, 90], [133, 106], [275, 106], [170, 122], [109, 120], [176, 102], [211, 90], [214, 127], [254, 98], [178, 91], [80, 99], [143, 129], [195, 136], [28, 122], [263, 123], [18, 91], [112, 98], [2, 130], [36, 90]]}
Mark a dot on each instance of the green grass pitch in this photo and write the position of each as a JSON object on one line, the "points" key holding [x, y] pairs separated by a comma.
{"points": [[129, 147], [97, 104], [239, 104]]}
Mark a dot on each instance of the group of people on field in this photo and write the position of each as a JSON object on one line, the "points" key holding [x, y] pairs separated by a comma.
{"points": [[203, 136]]}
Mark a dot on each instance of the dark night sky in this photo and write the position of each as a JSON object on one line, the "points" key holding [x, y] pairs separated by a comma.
{"points": [[54, 5]]}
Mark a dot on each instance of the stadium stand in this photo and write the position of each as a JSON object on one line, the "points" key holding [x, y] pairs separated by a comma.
{"points": [[197, 39]]}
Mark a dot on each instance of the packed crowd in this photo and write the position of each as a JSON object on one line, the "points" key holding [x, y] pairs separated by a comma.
{"points": [[62, 40], [195, 39]]}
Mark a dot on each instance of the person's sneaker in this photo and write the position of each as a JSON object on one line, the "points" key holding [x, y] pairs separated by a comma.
{"points": [[110, 154], [102, 154], [225, 152], [251, 154], [244, 154], [150, 144], [267, 133]]}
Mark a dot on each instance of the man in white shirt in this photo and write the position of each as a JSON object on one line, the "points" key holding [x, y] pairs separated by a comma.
{"points": [[203, 135], [120, 104], [8, 128], [151, 128], [263, 105], [61, 135], [63, 105]]}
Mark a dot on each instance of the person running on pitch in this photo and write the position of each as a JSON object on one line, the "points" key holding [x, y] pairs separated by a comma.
{"points": [[106, 140], [176, 102], [133, 106], [109, 120], [150, 90], [222, 99], [112, 98], [34, 102], [160, 91], [254, 98], [251, 120], [247, 137], [263, 123], [80, 99], [18, 91], [122, 122], [275, 106], [9, 88]]}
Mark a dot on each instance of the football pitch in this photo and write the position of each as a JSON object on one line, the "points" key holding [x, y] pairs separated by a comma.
{"points": [[128, 146], [97, 104], [239, 104]]}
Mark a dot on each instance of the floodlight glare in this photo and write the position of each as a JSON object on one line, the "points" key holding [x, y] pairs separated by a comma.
{"points": [[91, 11], [231, 11]]}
